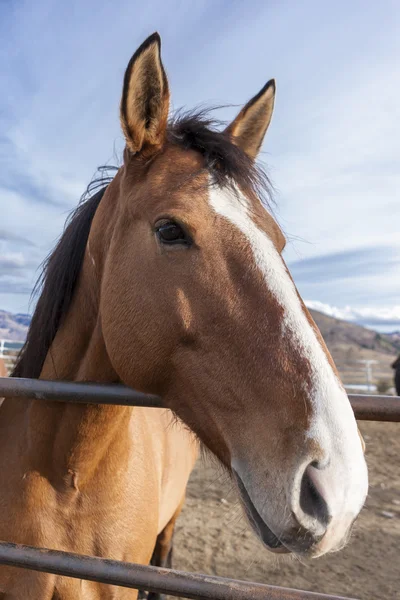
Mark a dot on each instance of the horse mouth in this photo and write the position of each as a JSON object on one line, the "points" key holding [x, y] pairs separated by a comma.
{"points": [[257, 522]]}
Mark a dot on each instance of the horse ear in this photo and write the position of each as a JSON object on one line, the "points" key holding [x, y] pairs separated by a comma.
{"points": [[250, 126], [145, 99]]}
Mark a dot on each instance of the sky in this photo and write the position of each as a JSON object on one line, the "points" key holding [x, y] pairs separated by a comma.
{"points": [[332, 150]]}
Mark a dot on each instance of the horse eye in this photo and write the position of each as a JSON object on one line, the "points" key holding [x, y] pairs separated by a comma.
{"points": [[170, 232]]}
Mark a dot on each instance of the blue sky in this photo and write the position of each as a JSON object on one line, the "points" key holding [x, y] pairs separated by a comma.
{"points": [[333, 149]]}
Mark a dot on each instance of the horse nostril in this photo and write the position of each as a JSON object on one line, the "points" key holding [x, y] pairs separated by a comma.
{"points": [[311, 501]]}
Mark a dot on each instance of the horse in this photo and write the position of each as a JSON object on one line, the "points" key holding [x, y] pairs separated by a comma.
{"points": [[396, 367], [170, 279], [3, 368], [3, 373]]}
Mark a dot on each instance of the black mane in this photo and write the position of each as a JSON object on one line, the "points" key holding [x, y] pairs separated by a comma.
{"points": [[56, 284], [197, 130]]}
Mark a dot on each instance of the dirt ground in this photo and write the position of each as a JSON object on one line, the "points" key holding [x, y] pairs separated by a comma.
{"points": [[212, 535]]}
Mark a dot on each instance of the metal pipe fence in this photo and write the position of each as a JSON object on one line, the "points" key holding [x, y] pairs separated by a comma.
{"points": [[129, 575], [82, 393], [366, 408], [154, 579]]}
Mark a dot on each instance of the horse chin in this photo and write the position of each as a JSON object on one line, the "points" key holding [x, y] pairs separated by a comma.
{"points": [[258, 524]]}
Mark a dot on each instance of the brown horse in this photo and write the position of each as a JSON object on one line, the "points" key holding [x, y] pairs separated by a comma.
{"points": [[3, 369], [171, 280], [396, 367], [3, 373]]}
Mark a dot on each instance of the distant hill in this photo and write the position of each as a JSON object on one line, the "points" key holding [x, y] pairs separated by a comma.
{"points": [[394, 336], [349, 343], [337, 331], [13, 327]]}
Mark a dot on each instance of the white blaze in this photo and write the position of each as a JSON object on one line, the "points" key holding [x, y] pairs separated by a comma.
{"points": [[333, 424]]}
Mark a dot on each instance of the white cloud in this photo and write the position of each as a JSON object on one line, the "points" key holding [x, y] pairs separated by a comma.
{"points": [[12, 260]]}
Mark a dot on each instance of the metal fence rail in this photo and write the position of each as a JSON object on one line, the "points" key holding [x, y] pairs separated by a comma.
{"points": [[367, 408], [376, 408], [154, 579], [83, 393]]}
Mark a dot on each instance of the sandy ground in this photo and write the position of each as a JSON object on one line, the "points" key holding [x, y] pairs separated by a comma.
{"points": [[212, 536]]}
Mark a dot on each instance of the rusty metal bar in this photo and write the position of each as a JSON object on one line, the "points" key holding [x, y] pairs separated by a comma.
{"points": [[154, 579], [367, 408], [376, 408], [68, 391]]}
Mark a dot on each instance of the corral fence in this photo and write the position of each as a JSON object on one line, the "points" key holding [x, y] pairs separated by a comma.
{"points": [[129, 575], [9, 350]]}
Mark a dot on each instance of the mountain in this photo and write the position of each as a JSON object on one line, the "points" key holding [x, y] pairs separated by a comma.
{"points": [[337, 331], [13, 327], [350, 343], [394, 336]]}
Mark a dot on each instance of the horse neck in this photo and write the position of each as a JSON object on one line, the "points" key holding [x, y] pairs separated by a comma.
{"points": [[69, 441]]}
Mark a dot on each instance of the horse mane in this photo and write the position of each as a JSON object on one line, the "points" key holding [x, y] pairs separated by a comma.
{"points": [[194, 130], [57, 280], [229, 165]]}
